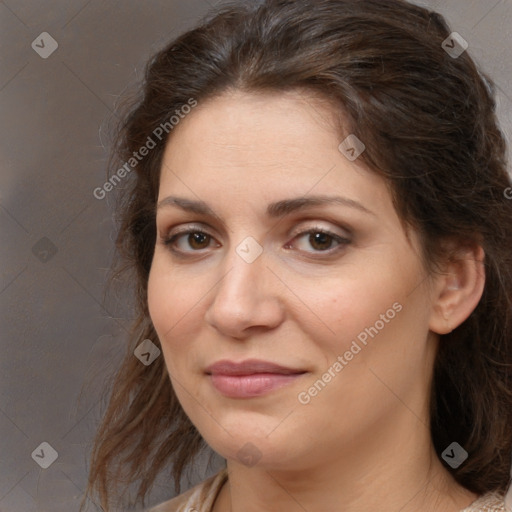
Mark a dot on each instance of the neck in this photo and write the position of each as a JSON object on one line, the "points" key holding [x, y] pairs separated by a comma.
{"points": [[392, 469]]}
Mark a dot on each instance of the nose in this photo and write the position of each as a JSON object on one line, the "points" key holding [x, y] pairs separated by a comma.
{"points": [[246, 298]]}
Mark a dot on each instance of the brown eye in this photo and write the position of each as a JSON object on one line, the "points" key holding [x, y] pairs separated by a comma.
{"points": [[321, 240], [194, 239], [198, 239]]}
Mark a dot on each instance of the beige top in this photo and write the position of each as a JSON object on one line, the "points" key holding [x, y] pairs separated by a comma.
{"points": [[201, 498]]}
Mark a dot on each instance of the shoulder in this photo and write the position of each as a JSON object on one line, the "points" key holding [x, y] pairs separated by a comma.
{"points": [[199, 498], [490, 502]]}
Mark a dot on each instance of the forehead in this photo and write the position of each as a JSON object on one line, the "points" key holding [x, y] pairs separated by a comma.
{"points": [[242, 120], [242, 148], [244, 155], [289, 131]]}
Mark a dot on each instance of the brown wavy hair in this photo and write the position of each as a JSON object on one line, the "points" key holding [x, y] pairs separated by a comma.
{"points": [[429, 124]]}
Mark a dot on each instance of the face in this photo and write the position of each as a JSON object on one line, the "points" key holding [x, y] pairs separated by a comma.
{"points": [[245, 268]]}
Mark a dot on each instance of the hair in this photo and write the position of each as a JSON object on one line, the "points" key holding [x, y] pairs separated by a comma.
{"points": [[428, 121]]}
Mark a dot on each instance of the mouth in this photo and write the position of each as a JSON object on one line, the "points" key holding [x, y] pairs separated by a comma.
{"points": [[249, 367], [250, 378]]}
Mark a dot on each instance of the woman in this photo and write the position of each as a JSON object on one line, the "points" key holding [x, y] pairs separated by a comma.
{"points": [[321, 237]]}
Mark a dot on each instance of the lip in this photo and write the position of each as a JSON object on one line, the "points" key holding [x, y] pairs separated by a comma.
{"points": [[249, 367], [250, 378]]}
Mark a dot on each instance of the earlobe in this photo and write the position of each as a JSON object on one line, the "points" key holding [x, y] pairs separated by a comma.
{"points": [[458, 289]]}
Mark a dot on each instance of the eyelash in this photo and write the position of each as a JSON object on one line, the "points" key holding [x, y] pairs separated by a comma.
{"points": [[342, 242]]}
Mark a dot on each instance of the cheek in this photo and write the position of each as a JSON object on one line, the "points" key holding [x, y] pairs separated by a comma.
{"points": [[380, 329], [160, 296], [171, 306], [334, 311], [177, 302]]}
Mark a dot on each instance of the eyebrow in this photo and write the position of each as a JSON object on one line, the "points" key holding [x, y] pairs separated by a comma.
{"points": [[274, 210]]}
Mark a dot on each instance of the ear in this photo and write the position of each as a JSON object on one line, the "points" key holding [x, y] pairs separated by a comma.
{"points": [[458, 289]]}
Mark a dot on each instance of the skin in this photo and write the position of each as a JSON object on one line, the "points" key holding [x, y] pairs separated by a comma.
{"points": [[363, 442]]}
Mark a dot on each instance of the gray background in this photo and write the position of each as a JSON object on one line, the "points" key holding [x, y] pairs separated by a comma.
{"points": [[57, 334]]}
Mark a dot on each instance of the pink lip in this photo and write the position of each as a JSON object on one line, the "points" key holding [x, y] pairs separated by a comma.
{"points": [[248, 386], [250, 378], [249, 367]]}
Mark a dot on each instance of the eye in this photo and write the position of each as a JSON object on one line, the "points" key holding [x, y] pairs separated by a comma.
{"points": [[194, 238], [321, 240]]}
